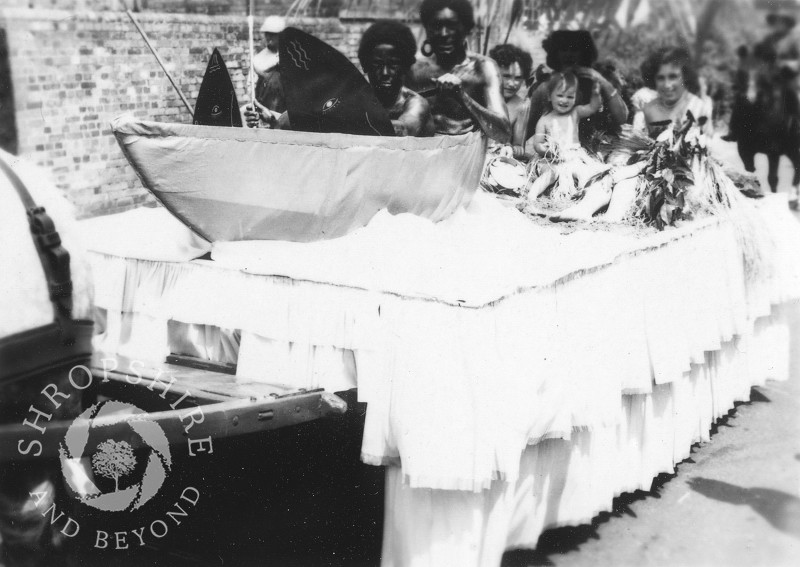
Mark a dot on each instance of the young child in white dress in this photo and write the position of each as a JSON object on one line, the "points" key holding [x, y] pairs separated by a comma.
{"points": [[563, 160]]}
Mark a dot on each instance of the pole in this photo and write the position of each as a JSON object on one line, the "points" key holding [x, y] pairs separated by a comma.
{"points": [[252, 54], [161, 63]]}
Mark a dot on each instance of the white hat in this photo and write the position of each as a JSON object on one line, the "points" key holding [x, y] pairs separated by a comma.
{"points": [[273, 24]]}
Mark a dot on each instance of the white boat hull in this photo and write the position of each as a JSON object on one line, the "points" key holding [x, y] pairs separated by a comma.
{"points": [[231, 184]]}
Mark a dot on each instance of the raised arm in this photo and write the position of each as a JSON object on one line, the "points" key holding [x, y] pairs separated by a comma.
{"points": [[611, 97], [594, 105]]}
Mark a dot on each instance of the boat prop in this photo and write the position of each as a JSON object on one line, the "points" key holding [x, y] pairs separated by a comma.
{"points": [[216, 101], [324, 90]]}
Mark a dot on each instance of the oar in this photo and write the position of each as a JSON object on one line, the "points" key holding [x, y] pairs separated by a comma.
{"points": [[252, 54], [155, 54]]}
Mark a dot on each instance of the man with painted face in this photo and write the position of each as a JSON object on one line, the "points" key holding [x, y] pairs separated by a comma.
{"points": [[387, 51], [468, 88]]}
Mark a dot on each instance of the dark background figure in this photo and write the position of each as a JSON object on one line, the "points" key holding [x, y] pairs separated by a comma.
{"points": [[739, 86], [468, 87], [576, 51], [766, 114], [515, 69], [386, 52], [783, 42]]}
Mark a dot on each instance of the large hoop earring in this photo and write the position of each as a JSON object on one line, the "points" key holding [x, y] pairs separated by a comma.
{"points": [[426, 49]]}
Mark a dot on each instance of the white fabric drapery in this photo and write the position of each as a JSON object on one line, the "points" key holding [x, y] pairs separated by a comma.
{"points": [[517, 379], [462, 375]]}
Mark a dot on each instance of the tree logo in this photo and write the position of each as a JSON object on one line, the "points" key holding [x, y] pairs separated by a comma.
{"points": [[112, 477]]}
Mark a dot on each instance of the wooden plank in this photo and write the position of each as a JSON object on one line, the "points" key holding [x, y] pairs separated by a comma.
{"points": [[219, 421], [203, 384], [194, 362]]}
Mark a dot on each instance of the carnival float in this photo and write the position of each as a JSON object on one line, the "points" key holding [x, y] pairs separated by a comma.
{"points": [[517, 376]]}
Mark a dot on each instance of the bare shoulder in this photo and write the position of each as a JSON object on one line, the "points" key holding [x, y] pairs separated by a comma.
{"points": [[546, 120], [483, 64], [422, 73], [411, 98], [651, 109]]}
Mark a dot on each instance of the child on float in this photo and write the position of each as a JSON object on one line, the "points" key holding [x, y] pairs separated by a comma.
{"points": [[669, 72], [564, 164]]}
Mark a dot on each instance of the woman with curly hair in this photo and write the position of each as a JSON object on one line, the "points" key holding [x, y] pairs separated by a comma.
{"points": [[515, 68], [466, 87], [387, 51], [670, 72]]}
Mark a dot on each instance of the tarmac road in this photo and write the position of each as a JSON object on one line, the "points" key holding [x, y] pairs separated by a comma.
{"points": [[736, 501]]}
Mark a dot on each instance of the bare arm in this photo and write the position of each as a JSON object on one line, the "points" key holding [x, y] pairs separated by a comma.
{"points": [[492, 118], [519, 124], [595, 102], [540, 143], [415, 119], [611, 98]]}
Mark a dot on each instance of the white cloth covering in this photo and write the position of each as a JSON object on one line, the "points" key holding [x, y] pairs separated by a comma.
{"points": [[470, 338], [569, 481], [267, 184], [146, 233], [516, 379]]}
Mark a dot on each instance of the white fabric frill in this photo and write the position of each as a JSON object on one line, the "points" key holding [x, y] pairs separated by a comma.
{"points": [[470, 339], [567, 482]]}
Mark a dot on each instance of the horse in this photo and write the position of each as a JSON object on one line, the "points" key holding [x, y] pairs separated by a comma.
{"points": [[766, 116]]}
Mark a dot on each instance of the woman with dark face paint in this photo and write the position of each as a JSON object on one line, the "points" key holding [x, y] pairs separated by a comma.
{"points": [[468, 88], [387, 51]]}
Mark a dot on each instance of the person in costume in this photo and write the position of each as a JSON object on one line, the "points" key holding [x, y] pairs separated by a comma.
{"points": [[467, 86], [270, 100], [575, 51], [515, 67], [386, 52], [779, 51], [564, 161], [670, 73]]}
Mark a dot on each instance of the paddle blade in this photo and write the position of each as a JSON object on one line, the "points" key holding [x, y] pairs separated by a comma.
{"points": [[216, 101], [324, 90]]}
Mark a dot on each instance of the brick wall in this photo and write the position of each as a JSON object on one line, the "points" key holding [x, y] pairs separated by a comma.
{"points": [[209, 7], [73, 72]]}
